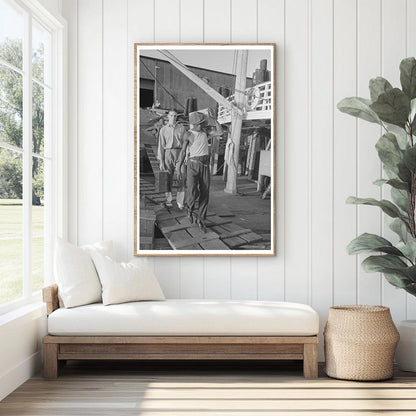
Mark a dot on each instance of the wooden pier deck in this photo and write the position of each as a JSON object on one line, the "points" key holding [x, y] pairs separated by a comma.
{"points": [[222, 233]]}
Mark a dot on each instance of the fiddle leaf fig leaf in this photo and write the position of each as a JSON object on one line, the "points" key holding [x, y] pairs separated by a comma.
{"points": [[402, 139], [412, 109], [404, 173], [359, 107], [408, 77], [388, 207], [397, 280], [389, 151], [380, 182], [398, 184], [411, 273], [381, 263], [395, 270], [408, 249], [366, 243], [392, 107], [390, 173], [400, 198], [378, 86], [400, 228], [411, 289], [395, 183], [410, 158]]}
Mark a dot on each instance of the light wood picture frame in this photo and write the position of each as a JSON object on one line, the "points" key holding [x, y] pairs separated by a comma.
{"points": [[205, 150]]}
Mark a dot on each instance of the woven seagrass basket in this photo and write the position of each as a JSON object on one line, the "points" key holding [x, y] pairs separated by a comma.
{"points": [[360, 341]]}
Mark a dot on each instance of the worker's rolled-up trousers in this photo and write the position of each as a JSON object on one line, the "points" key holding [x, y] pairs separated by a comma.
{"points": [[197, 184]]}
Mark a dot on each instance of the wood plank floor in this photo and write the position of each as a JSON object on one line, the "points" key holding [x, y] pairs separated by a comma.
{"points": [[222, 389]]}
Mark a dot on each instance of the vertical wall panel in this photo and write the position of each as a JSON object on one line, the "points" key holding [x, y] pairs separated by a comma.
{"points": [[244, 278], [296, 152], [192, 278], [217, 25], [411, 51], [70, 11], [369, 167], [345, 151], [217, 278], [167, 29], [321, 165], [243, 21], [393, 51], [271, 29], [192, 21], [167, 21], [168, 271], [244, 29], [115, 158], [217, 21], [90, 183], [411, 28]]}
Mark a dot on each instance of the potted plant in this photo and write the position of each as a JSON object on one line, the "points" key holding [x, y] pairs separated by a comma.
{"points": [[394, 109]]}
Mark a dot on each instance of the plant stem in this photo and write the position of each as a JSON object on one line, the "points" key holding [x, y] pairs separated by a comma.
{"points": [[412, 196]]}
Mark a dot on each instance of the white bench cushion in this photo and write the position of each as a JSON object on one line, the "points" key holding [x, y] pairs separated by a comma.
{"points": [[187, 317]]}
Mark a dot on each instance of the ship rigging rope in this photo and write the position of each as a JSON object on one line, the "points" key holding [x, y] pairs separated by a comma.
{"points": [[160, 83]]}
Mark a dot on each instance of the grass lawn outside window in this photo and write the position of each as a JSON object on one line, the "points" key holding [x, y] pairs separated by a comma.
{"points": [[11, 249]]}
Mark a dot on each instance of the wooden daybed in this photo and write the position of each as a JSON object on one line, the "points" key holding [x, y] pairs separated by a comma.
{"points": [[59, 348]]}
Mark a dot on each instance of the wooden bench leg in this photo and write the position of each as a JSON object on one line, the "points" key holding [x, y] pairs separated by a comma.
{"points": [[50, 360], [310, 360]]}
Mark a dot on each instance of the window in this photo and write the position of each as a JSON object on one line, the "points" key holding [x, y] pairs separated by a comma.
{"points": [[31, 141]]}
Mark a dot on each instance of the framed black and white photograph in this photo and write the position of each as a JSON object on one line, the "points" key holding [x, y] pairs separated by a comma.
{"points": [[205, 149]]}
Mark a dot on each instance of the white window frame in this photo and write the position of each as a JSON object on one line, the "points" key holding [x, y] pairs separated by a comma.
{"points": [[58, 211]]}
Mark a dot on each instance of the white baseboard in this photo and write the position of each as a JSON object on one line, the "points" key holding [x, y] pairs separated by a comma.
{"points": [[10, 380]]}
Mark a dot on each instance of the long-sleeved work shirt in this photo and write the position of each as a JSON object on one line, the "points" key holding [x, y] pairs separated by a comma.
{"points": [[170, 137]]}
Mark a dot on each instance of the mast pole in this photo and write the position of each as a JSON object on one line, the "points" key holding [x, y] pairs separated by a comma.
{"points": [[237, 121]]}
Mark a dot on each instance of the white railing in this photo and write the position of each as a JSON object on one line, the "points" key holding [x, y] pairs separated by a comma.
{"points": [[258, 104]]}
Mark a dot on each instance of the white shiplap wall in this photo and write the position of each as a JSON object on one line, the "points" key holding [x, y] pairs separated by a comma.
{"points": [[326, 50]]}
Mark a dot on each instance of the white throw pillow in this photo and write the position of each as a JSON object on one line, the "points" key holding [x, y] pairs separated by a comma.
{"points": [[75, 273], [103, 247], [126, 282]]}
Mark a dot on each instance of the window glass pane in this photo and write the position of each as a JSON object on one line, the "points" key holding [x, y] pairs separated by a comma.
{"points": [[11, 226], [38, 230], [11, 106], [39, 118], [41, 46], [11, 34]]}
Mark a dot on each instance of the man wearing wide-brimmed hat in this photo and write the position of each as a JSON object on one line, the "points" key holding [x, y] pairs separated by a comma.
{"points": [[195, 142], [169, 148]]}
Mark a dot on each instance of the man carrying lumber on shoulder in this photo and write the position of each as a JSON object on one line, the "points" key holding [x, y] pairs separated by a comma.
{"points": [[169, 147], [195, 142]]}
